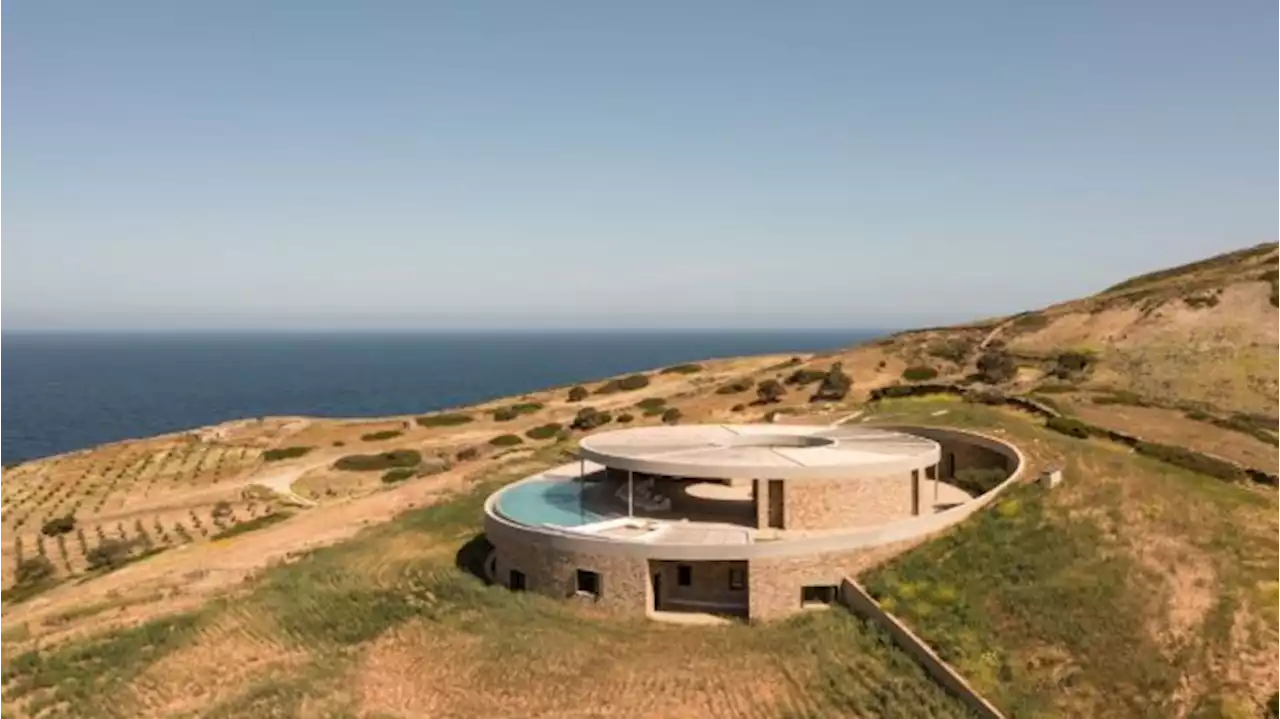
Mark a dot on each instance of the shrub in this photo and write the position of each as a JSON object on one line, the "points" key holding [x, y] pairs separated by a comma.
{"points": [[738, 408], [979, 481], [506, 440], [577, 394], [527, 407], [919, 373], [688, 368], [672, 416], [222, 509], [109, 553], [1121, 397], [1192, 460], [625, 418], [1056, 388], [1070, 427], [467, 454], [339, 443], [275, 455], [1196, 302], [805, 376], [770, 391], [379, 436], [544, 431], [34, 570], [651, 402], [399, 474], [265, 520], [504, 414], [956, 351], [589, 418], [1070, 364], [385, 460], [996, 366], [59, 525], [624, 384], [736, 386], [452, 419], [835, 384], [1029, 322]]}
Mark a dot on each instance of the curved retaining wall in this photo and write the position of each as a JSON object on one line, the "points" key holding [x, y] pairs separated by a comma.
{"points": [[550, 559]]}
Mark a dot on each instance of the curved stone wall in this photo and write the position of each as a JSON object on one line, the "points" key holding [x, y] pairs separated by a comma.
{"points": [[550, 559]]}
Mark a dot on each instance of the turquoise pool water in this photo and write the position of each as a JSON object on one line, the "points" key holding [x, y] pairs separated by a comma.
{"points": [[547, 502]]}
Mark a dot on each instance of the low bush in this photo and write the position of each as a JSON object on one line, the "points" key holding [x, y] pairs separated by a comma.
{"points": [[687, 368], [33, 570], [589, 418], [109, 553], [544, 431], [222, 509], [467, 454], [504, 414], [59, 525], [275, 455], [452, 419], [1121, 397], [1071, 427], [1067, 365], [625, 418], [652, 402], [738, 408], [1029, 322], [805, 376], [506, 440], [399, 474], [979, 481], [1242, 423], [919, 373], [579, 393], [1197, 302], [1192, 460], [956, 351], [736, 386], [339, 443], [834, 386], [265, 520], [672, 416], [770, 391], [623, 384], [384, 460], [996, 366], [379, 436], [1056, 388]]}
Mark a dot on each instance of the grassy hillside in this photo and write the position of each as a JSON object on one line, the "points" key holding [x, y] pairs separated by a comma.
{"points": [[310, 567]]}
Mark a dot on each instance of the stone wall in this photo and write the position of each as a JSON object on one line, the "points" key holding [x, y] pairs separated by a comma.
{"points": [[624, 581], [709, 585], [833, 504], [776, 583]]}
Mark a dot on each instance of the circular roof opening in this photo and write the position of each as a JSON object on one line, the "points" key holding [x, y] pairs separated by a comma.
{"points": [[778, 440]]}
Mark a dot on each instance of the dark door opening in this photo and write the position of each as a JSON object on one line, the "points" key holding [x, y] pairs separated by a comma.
{"points": [[657, 591], [516, 581]]}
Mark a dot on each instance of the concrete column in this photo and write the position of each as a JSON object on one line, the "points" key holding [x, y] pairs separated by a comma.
{"points": [[631, 494], [915, 492]]}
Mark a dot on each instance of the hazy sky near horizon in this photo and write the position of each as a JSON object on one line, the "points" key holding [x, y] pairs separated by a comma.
{"points": [[583, 164]]}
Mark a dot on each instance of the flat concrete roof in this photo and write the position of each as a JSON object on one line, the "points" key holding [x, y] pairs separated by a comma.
{"points": [[761, 451]]}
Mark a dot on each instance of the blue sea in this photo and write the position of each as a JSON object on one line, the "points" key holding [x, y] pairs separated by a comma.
{"points": [[63, 392]]}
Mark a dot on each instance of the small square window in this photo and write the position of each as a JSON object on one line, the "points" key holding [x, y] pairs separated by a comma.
{"points": [[817, 595], [516, 582], [737, 579], [588, 582], [684, 575]]}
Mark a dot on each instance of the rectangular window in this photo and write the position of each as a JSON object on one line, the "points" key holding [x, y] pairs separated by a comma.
{"points": [[516, 582], [817, 595], [588, 583], [684, 575], [737, 579]]}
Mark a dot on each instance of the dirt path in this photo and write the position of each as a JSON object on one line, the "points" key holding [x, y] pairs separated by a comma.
{"points": [[280, 479]]}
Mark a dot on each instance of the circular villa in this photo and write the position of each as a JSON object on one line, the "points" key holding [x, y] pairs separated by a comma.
{"points": [[755, 521]]}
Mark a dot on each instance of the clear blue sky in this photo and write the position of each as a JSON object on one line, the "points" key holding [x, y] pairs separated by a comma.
{"points": [[599, 164]]}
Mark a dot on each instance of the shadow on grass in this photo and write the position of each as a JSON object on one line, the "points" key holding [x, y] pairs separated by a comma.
{"points": [[473, 555]]}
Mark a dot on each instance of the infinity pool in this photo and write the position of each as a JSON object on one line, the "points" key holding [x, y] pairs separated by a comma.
{"points": [[544, 501]]}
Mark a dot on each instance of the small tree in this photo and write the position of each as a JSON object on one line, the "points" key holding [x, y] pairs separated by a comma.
{"points": [[672, 416], [110, 553], [35, 569], [835, 385], [579, 393], [770, 391], [59, 526], [222, 509], [997, 366]]}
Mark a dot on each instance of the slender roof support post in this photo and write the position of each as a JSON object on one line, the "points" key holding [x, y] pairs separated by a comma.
{"points": [[631, 494], [935, 486], [915, 492], [582, 486]]}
